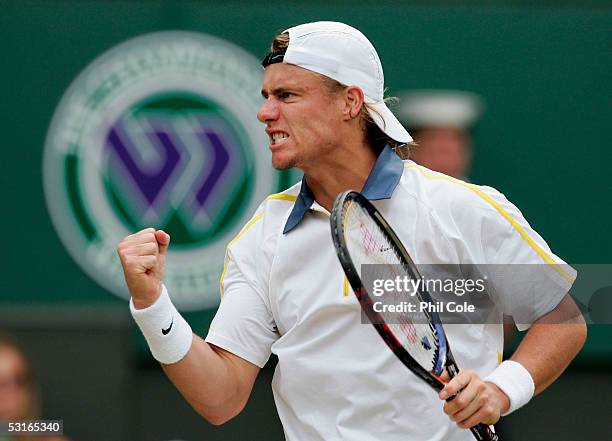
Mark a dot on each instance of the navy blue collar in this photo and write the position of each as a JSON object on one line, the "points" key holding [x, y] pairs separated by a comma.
{"points": [[381, 183]]}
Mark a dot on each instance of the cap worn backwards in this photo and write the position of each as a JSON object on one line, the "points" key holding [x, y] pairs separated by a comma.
{"points": [[344, 54]]}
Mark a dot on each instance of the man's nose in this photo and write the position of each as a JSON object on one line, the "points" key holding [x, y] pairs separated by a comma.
{"points": [[268, 111]]}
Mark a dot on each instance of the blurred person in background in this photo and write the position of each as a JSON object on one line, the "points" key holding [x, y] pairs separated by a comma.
{"points": [[440, 122], [19, 397]]}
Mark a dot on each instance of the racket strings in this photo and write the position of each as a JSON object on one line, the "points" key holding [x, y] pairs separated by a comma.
{"points": [[369, 245]]}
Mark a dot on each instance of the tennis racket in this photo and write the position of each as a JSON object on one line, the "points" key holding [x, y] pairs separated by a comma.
{"points": [[363, 237]]}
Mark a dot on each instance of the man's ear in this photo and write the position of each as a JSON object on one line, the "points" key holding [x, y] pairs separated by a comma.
{"points": [[353, 101]]}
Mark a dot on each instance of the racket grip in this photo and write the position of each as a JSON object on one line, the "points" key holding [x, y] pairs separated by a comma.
{"points": [[482, 432]]}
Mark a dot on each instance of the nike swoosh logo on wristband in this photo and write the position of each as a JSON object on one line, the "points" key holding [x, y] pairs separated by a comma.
{"points": [[165, 331]]}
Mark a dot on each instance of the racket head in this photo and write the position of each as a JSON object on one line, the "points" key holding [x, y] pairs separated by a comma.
{"points": [[362, 236]]}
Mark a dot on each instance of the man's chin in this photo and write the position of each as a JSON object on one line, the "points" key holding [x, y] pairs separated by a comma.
{"points": [[280, 164]]}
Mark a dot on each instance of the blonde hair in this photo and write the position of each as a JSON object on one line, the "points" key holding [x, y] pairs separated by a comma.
{"points": [[374, 136]]}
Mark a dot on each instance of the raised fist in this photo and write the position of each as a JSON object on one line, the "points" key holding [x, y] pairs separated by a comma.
{"points": [[143, 257]]}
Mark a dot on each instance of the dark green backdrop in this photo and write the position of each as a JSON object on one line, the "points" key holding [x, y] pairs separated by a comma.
{"points": [[543, 68], [544, 72]]}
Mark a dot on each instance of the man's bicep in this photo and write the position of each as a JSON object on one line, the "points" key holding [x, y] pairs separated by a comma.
{"points": [[526, 291], [525, 279], [243, 370], [565, 312], [244, 324]]}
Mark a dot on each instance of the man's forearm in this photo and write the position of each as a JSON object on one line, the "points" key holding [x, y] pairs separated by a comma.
{"points": [[551, 343]]}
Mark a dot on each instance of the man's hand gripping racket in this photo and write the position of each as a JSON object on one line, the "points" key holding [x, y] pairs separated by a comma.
{"points": [[361, 237]]}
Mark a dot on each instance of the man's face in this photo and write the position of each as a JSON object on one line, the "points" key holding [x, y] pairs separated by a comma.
{"points": [[303, 119]]}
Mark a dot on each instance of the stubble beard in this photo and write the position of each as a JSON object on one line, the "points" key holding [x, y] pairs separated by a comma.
{"points": [[284, 164]]}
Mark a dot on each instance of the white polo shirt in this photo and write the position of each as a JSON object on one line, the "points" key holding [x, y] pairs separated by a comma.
{"points": [[284, 292]]}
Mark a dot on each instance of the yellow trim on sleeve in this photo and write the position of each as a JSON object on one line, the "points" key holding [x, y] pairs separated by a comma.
{"points": [[227, 259], [278, 196], [245, 228], [504, 213], [225, 265], [346, 287], [282, 196], [500, 357]]}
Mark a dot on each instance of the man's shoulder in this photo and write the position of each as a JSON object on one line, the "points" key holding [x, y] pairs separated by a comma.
{"points": [[275, 200], [446, 195], [268, 220], [276, 207]]}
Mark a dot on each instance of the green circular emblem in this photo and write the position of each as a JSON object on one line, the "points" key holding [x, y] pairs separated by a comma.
{"points": [[159, 131]]}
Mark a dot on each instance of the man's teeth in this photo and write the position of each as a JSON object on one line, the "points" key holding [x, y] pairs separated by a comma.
{"points": [[279, 136]]}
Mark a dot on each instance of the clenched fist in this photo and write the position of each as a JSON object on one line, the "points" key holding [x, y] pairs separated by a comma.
{"points": [[143, 257], [475, 401]]}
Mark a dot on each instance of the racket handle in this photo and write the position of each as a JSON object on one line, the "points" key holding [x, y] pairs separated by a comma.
{"points": [[482, 432]]}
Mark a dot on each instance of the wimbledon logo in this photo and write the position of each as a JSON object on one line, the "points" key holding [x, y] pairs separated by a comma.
{"points": [[159, 131]]}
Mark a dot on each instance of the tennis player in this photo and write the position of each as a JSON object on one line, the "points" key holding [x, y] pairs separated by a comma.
{"points": [[284, 292]]}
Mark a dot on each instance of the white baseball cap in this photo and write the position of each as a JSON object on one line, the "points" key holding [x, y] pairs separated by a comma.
{"points": [[344, 54]]}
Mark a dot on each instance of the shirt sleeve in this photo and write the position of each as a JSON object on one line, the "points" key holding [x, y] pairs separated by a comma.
{"points": [[524, 278], [243, 324]]}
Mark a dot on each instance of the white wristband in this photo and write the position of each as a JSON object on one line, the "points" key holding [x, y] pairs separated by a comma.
{"points": [[168, 334], [515, 381]]}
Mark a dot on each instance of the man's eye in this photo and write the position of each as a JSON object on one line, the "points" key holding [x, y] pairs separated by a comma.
{"points": [[284, 95]]}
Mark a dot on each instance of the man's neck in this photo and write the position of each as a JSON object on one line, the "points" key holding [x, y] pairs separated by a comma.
{"points": [[347, 169]]}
